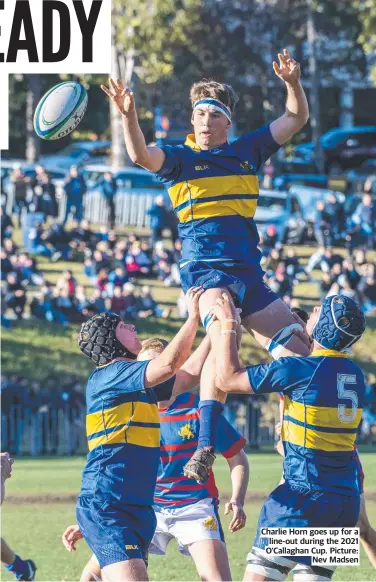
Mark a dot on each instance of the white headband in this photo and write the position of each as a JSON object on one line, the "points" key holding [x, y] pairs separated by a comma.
{"points": [[213, 104]]}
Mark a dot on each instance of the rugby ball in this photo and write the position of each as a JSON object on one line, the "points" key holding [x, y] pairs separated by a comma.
{"points": [[60, 110]]}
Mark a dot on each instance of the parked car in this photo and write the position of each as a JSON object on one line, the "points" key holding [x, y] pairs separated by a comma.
{"points": [[79, 153], [284, 181], [305, 150], [348, 148], [282, 210]]}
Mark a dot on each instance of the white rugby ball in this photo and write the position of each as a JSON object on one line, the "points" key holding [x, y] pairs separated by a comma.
{"points": [[60, 110]]}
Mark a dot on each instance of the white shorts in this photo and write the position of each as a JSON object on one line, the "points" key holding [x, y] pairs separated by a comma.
{"points": [[189, 524]]}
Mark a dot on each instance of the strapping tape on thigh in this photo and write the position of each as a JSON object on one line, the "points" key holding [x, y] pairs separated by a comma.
{"points": [[281, 339], [208, 319]]}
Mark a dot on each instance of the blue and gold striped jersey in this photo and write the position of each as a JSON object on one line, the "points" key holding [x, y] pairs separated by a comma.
{"points": [[123, 432], [323, 404], [214, 194]]}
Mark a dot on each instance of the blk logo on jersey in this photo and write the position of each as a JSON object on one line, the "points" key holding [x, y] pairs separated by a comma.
{"points": [[201, 168]]}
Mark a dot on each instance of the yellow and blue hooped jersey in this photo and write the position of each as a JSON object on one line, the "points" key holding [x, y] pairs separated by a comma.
{"points": [[123, 432], [214, 194], [323, 404]]}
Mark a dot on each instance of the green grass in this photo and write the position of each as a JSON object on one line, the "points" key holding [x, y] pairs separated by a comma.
{"points": [[33, 525]]}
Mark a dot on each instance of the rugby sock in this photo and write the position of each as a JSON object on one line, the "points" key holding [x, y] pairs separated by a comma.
{"points": [[210, 412], [18, 568]]}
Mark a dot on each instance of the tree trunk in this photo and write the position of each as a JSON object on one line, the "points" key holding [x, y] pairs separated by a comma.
{"points": [[32, 98], [119, 156], [315, 87]]}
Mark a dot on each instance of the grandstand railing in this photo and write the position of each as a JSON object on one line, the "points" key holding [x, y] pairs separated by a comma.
{"points": [[61, 431], [130, 208]]}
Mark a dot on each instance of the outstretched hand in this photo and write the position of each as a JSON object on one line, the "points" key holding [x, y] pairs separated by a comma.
{"points": [[121, 96], [288, 69]]}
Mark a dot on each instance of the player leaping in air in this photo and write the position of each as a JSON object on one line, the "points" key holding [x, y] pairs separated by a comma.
{"points": [[214, 189]]}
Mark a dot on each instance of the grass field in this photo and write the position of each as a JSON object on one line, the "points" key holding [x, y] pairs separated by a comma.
{"points": [[40, 505]]}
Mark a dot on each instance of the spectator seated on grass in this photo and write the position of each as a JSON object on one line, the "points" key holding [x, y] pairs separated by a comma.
{"points": [[6, 264], [293, 268], [67, 283], [102, 280], [89, 271], [81, 301], [100, 261], [137, 262], [325, 285], [280, 282], [118, 277], [269, 240], [15, 295], [6, 225], [96, 302], [160, 253], [27, 268], [367, 288], [270, 263], [4, 320], [118, 303], [57, 240], [43, 306], [130, 300], [146, 305]]}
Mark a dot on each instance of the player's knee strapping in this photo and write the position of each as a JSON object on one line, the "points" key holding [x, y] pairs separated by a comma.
{"points": [[269, 566], [303, 573], [281, 339]]}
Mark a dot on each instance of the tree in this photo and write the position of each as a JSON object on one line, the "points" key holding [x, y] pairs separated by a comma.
{"points": [[32, 98], [367, 37]]}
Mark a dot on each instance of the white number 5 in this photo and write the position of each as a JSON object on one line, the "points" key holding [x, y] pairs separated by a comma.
{"points": [[343, 379]]}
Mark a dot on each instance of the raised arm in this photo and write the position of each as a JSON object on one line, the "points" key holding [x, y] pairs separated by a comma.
{"points": [[188, 377], [149, 157], [178, 350], [297, 111], [230, 375]]}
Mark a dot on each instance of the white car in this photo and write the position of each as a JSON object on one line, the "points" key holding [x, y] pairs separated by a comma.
{"points": [[283, 211]]}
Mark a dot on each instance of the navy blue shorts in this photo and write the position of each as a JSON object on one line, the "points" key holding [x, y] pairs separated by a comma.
{"points": [[245, 282], [290, 506], [115, 534], [360, 473]]}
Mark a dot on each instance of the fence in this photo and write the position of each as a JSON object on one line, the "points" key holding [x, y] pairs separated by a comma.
{"points": [[61, 431], [130, 207]]}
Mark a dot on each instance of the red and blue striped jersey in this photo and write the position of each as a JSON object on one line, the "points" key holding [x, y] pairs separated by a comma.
{"points": [[180, 424]]}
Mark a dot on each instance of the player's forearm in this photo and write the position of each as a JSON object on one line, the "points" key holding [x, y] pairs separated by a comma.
{"points": [[179, 349], [227, 362], [297, 104], [134, 139], [195, 362], [239, 468]]}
